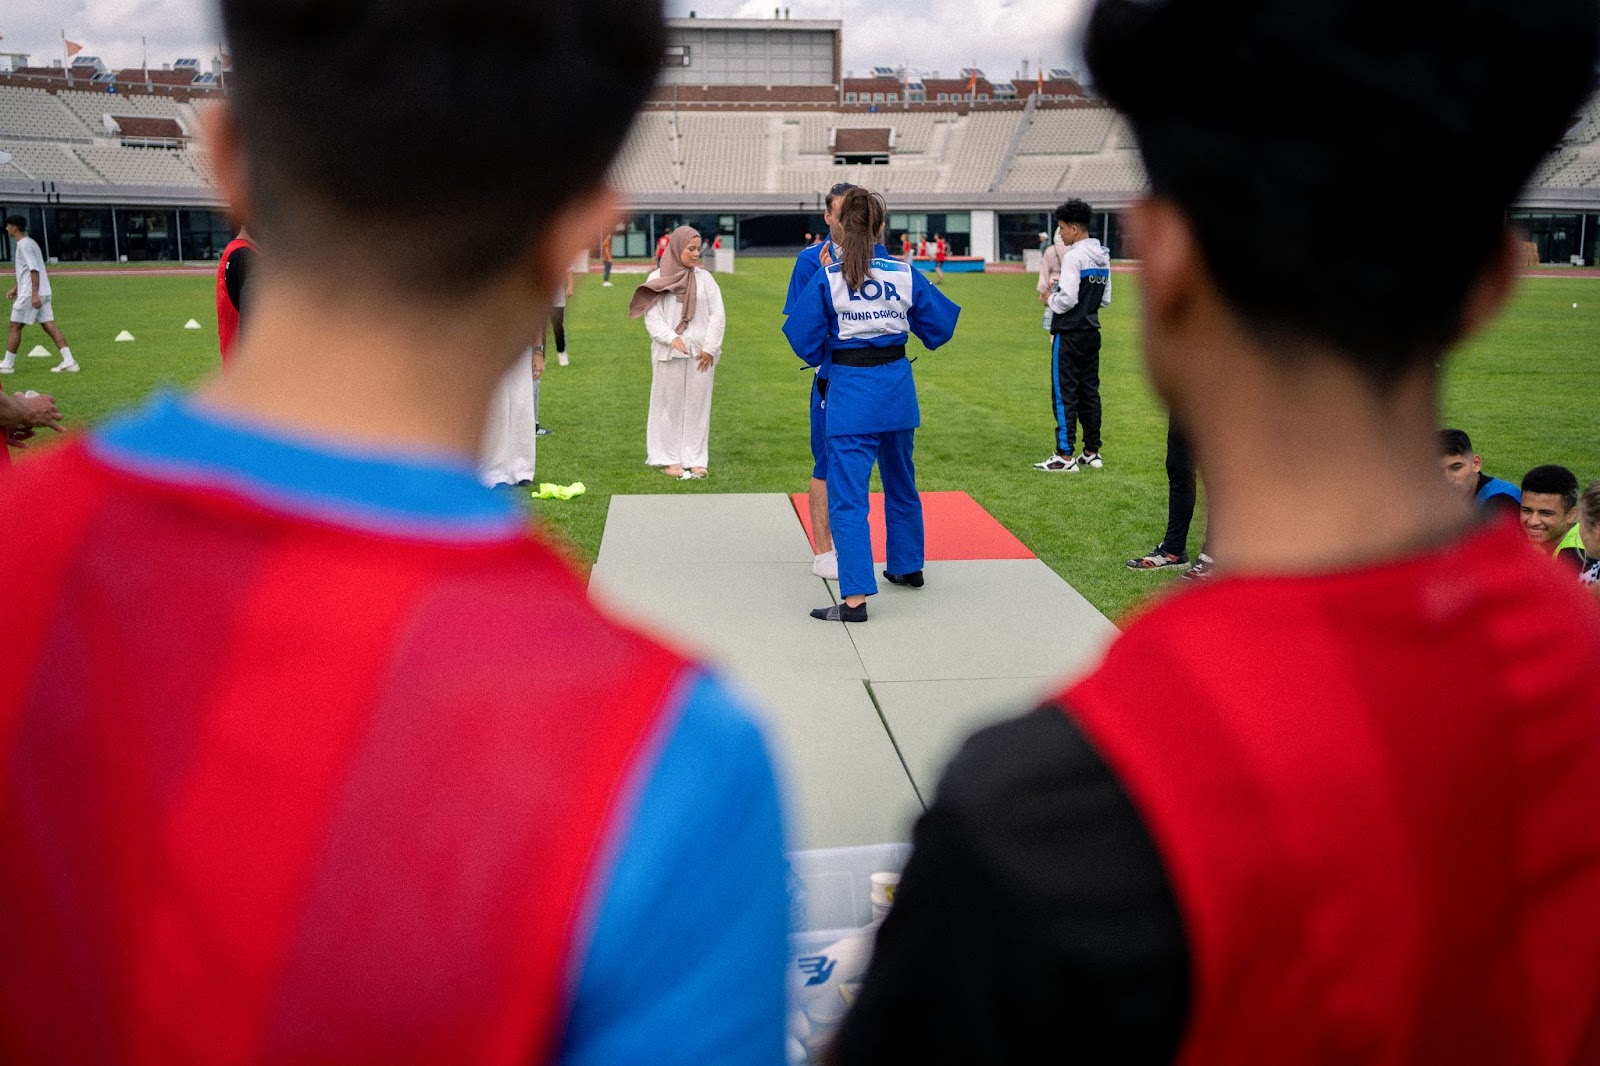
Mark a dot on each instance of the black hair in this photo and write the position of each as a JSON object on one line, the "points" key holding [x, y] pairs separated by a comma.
{"points": [[19, 221], [486, 118], [1274, 125], [1074, 212], [1455, 442], [861, 214], [1555, 481], [837, 191]]}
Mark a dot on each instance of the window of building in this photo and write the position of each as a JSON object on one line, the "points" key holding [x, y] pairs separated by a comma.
{"points": [[849, 98], [894, 98], [877, 98], [944, 98]]}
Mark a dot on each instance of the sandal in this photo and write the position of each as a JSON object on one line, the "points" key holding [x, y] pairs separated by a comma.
{"points": [[673, 471]]}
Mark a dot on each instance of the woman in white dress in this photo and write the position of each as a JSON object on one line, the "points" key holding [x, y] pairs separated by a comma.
{"points": [[682, 309], [509, 432]]}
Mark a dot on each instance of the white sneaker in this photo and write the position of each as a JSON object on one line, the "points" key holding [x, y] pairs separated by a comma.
{"points": [[1057, 464], [1094, 462], [561, 358], [7, 369], [826, 565], [605, 284], [69, 368]]}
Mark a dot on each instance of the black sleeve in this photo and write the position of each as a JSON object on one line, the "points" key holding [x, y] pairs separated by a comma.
{"points": [[236, 274], [1034, 922]]}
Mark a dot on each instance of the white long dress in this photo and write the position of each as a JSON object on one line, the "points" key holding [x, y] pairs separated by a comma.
{"points": [[509, 440], [679, 428]]}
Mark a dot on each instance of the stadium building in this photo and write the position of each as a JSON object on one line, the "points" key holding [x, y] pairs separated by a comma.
{"points": [[751, 121]]}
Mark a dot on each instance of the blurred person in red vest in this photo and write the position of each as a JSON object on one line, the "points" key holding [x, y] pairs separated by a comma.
{"points": [[1341, 803], [233, 275], [280, 779]]}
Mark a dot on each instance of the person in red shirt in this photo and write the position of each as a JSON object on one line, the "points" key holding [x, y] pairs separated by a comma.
{"points": [[282, 778], [233, 275], [941, 250], [1341, 803], [661, 246]]}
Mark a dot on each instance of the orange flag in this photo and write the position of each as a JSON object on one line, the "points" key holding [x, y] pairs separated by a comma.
{"points": [[73, 48]]}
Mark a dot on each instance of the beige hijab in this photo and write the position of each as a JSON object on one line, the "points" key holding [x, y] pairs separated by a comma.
{"points": [[675, 278]]}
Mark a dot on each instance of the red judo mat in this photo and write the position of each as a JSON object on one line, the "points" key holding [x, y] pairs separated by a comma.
{"points": [[955, 527]]}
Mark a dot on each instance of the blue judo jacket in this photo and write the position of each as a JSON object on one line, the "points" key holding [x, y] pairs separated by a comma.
{"points": [[893, 304]]}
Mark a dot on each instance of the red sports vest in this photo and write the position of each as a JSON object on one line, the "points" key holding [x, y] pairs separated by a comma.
{"points": [[275, 791], [1377, 797], [227, 314]]}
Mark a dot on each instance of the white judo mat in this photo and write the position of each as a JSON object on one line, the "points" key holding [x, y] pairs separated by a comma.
{"points": [[862, 717]]}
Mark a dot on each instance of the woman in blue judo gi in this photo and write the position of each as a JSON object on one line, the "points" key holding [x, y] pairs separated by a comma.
{"points": [[854, 319]]}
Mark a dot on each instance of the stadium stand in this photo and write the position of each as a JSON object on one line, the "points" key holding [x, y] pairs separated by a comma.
{"points": [[1067, 131], [51, 162], [648, 160], [724, 153], [1114, 171], [92, 108], [37, 115], [138, 166], [977, 145], [1036, 174]]}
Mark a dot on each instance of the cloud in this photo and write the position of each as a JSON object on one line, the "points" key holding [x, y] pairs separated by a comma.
{"points": [[926, 35], [111, 29]]}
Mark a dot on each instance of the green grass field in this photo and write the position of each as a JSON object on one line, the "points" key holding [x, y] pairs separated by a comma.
{"points": [[1528, 392]]}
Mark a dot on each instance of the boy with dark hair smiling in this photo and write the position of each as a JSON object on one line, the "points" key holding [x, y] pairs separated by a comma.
{"points": [[283, 780], [1549, 505], [1280, 823]]}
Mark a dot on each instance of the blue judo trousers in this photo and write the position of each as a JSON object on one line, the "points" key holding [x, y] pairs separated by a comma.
{"points": [[870, 413]]}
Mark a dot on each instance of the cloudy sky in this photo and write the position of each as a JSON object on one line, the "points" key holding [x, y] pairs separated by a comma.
{"points": [[942, 35]]}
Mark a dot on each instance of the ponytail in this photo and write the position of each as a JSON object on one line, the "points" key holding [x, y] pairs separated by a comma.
{"points": [[861, 214]]}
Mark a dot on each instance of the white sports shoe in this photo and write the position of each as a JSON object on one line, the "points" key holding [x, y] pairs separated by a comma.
{"points": [[1094, 462], [69, 368], [7, 369], [1057, 464], [561, 358], [826, 565]]}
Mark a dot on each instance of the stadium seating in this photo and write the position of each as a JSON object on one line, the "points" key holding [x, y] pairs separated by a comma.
{"points": [[36, 115], [724, 153], [647, 162], [977, 145], [1058, 132], [139, 166], [1037, 174], [50, 162], [91, 108], [1112, 172]]}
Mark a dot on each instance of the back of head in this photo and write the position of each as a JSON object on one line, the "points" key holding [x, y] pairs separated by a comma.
{"points": [[861, 214], [1553, 480], [1279, 127], [366, 124], [1455, 442], [1591, 503], [1074, 213]]}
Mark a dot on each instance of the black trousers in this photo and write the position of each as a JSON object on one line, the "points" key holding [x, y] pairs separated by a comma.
{"points": [[1075, 388], [1180, 491]]}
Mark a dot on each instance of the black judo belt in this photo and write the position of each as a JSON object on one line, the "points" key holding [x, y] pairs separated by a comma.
{"points": [[868, 356]]}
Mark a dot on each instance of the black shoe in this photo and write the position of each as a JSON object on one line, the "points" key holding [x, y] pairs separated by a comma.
{"points": [[841, 612], [914, 579], [540, 431]]}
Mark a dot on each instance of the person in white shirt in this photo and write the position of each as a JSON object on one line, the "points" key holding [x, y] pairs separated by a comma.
{"points": [[32, 296], [508, 451], [683, 313]]}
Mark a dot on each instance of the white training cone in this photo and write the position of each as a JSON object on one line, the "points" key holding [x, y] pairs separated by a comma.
{"points": [[39, 352], [191, 324], [124, 336]]}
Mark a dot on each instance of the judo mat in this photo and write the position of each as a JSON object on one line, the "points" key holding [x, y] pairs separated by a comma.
{"points": [[954, 526], [862, 718]]}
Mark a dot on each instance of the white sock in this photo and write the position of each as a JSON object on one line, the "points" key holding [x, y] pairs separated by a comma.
{"points": [[66, 356]]}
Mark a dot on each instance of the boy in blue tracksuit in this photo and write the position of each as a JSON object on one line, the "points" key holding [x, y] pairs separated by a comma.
{"points": [[852, 321], [811, 259]]}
